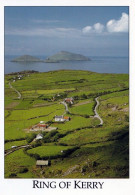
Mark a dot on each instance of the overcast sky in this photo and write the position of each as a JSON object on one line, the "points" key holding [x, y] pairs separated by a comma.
{"points": [[92, 31]]}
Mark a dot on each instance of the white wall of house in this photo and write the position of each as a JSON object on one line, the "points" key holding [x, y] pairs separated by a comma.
{"points": [[59, 119]]}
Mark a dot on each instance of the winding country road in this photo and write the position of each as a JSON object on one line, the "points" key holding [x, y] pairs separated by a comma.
{"points": [[19, 94], [95, 111], [17, 148], [66, 107]]}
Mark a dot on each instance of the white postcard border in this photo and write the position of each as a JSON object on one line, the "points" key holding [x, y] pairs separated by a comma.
{"points": [[110, 186]]}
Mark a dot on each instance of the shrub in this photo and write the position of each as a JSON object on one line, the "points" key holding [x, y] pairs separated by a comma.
{"points": [[23, 170], [49, 136], [13, 175], [76, 97], [30, 137], [84, 96], [86, 116], [36, 144], [84, 168]]}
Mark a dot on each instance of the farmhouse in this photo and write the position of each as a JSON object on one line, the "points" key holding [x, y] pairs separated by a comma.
{"points": [[69, 100], [39, 127], [20, 77], [42, 163], [42, 125], [61, 118]]}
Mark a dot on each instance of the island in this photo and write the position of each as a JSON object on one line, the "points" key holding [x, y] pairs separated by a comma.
{"points": [[26, 58], [66, 56]]}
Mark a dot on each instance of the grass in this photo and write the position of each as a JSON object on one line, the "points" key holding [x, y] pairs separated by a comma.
{"points": [[49, 151], [103, 150], [101, 161], [19, 120], [35, 112], [8, 145], [86, 109], [46, 92], [75, 123], [15, 161], [90, 135]]}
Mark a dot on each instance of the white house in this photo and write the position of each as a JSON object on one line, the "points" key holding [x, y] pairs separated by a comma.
{"points": [[62, 118], [39, 136], [59, 118]]}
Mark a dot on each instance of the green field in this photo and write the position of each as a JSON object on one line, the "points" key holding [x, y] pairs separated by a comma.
{"points": [[84, 109], [89, 149], [49, 151]]}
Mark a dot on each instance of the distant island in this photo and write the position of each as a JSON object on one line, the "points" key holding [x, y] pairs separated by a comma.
{"points": [[26, 58], [58, 57], [66, 56]]}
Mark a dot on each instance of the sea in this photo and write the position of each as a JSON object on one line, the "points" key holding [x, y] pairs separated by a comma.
{"points": [[97, 64]]}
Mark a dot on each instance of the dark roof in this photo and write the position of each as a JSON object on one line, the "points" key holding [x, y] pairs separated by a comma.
{"points": [[58, 116]]}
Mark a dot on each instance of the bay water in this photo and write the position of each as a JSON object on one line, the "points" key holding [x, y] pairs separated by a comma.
{"points": [[97, 64]]}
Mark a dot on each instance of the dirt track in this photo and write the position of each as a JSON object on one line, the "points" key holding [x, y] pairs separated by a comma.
{"points": [[19, 94], [95, 110]]}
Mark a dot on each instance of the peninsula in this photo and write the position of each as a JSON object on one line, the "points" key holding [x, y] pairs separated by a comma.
{"points": [[66, 56]]}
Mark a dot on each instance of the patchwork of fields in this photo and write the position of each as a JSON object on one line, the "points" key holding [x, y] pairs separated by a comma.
{"points": [[78, 148]]}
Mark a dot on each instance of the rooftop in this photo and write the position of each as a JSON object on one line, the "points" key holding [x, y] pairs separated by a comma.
{"points": [[42, 162]]}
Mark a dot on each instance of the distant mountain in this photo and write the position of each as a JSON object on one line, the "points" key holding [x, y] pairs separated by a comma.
{"points": [[66, 56], [26, 58]]}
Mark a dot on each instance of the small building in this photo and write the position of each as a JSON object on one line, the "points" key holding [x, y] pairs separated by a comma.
{"points": [[62, 118], [42, 125], [39, 136], [59, 118], [42, 163], [39, 127], [69, 100], [20, 77], [41, 122], [66, 118]]}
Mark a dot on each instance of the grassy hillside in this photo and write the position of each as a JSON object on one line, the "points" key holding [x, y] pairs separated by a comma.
{"points": [[90, 150]]}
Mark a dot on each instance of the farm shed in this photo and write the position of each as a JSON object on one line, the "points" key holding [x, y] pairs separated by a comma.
{"points": [[66, 118], [39, 136], [42, 163]]}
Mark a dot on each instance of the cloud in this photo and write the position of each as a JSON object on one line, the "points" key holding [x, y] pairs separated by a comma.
{"points": [[46, 32], [112, 26], [96, 28], [87, 30], [120, 25]]}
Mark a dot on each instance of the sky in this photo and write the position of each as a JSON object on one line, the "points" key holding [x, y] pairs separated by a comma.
{"points": [[43, 31]]}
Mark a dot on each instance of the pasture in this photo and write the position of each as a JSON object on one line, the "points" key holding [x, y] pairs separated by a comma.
{"points": [[90, 150]]}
